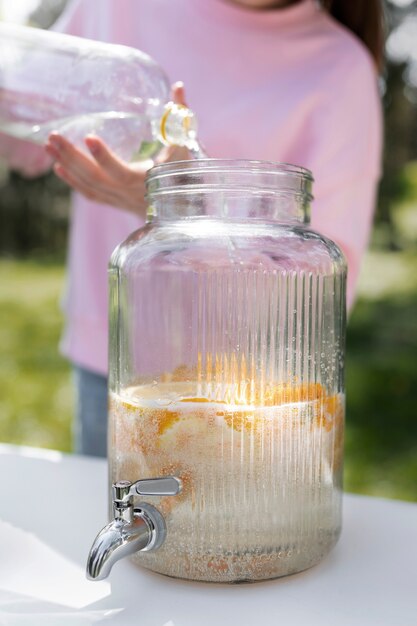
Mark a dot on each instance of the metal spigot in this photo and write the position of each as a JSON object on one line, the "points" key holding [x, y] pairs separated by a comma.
{"points": [[132, 529]]}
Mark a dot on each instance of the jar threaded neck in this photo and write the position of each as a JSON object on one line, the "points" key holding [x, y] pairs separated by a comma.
{"points": [[230, 189]]}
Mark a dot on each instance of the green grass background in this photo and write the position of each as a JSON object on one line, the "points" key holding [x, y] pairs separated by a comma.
{"points": [[36, 400]]}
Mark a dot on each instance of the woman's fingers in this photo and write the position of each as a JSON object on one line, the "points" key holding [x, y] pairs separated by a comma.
{"points": [[81, 171], [93, 190], [108, 161], [102, 167], [132, 201], [178, 93], [104, 178], [67, 177], [73, 159]]}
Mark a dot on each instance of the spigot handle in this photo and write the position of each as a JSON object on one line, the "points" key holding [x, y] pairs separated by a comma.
{"points": [[165, 486], [123, 490]]}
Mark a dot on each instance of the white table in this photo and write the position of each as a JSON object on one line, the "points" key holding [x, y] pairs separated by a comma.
{"points": [[370, 578]]}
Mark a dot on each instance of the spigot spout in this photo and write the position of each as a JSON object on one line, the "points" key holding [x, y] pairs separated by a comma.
{"points": [[114, 541], [132, 529]]}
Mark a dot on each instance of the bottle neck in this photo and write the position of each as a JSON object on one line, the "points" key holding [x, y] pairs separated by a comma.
{"points": [[230, 190], [177, 126]]}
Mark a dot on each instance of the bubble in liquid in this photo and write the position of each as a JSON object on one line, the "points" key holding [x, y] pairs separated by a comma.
{"points": [[164, 401]]}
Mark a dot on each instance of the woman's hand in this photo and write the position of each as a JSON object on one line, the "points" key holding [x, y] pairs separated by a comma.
{"points": [[104, 177]]}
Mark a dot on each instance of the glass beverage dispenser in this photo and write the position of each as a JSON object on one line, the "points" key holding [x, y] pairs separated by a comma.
{"points": [[227, 324]]}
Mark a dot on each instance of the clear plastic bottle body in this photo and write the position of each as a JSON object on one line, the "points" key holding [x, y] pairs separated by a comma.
{"points": [[227, 321], [51, 81]]}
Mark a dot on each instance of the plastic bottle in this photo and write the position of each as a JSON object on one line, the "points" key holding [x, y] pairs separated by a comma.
{"points": [[50, 81]]}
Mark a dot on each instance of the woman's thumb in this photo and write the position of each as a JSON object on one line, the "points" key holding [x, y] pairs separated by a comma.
{"points": [[178, 93]]}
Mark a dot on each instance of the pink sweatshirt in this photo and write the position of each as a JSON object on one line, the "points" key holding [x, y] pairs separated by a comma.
{"points": [[285, 85]]}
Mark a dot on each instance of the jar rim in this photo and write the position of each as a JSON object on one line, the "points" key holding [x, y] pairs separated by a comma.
{"points": [[282, 191], [233, 165]]}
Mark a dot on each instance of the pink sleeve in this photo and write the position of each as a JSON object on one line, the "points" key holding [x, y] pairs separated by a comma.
{"points": [[345, 159], [25, 157], [345, 215]]}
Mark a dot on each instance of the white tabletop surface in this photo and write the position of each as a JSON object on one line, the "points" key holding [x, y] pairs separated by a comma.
{"points": [[52, 505]]}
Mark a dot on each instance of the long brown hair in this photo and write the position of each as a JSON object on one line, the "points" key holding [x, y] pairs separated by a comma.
{"points": [[365, 18]]}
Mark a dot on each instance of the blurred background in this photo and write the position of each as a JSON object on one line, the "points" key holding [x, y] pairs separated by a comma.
{"points": [[36, 397]]}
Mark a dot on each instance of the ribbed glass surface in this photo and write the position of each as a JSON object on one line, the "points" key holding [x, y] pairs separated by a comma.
{"points": [[227, 372]]}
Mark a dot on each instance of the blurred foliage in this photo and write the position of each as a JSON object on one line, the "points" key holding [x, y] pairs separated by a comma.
{"points": [[400, 148], [381, 435], [400, 116], [36, 399], [47, 12], [33, 215]]}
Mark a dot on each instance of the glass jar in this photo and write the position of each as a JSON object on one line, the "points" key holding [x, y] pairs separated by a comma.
{"points": [[227, 331]]}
